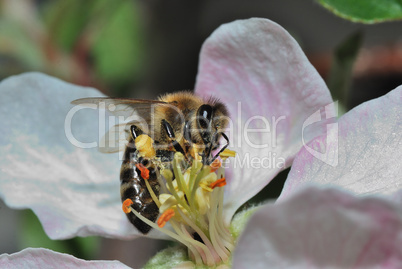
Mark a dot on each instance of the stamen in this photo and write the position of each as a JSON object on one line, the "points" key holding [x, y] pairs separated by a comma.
{"points": [[145, 175], [193, 203], [167, 174], [144, 171], [176, 194], [202, 249], [218, 183], [206, 187], [193, 245], [227, 153], [215, 165], [222, 252], [207, 180], [165, 217], [224, 232], [203, 173], [204, 238], [195, 168], [171, 234], [127, 206], [178, 173], [152, 193]]}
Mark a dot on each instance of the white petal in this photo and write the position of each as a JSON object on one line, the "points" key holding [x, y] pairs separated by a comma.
{"points": [[74, 191], [362, 153], [322, 229], [45, 258], [257, 69]]}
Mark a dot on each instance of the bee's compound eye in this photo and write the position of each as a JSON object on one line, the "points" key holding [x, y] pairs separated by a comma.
{"points": [[204, 115]]}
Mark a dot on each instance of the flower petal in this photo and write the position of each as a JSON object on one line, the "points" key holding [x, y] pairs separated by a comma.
{"points": [[45, 258], [263, 76], [74, 191], [323, 229], [362, 153], [397, 197]]}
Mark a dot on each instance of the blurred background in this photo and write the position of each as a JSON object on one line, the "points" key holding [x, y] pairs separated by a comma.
{"points": [[141, 49]]}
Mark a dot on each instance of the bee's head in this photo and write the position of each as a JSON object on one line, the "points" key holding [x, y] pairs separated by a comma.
{"points": [[207, 124]]}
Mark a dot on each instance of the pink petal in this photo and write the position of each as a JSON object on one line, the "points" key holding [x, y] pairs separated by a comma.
{"points": [[362, 154], [261, 73], [74, 191], [323, 229], [45, 258], [397, 197]]}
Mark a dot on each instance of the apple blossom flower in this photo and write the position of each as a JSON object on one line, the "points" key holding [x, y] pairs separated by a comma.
{"points": [[45, 258], [50, 162], [331, 228]]}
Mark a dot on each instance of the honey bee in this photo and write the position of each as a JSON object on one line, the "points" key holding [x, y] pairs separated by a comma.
{"points": [[176, 122]]}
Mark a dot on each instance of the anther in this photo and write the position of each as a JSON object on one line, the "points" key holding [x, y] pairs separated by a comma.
{"points": [[127, 206], [215, 165], [165, 217], [218, 183], [144, 171], [227, 153]]}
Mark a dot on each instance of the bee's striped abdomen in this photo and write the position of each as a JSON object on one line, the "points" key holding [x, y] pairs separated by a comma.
{"points": [[133, 187]]}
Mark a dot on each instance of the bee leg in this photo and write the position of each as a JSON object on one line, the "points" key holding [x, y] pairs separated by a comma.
{"points": [[222, 149], [171, 135], [135, 131], [204, 158], [206, 155]]}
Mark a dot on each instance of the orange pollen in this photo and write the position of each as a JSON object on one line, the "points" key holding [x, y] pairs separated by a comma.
{"points": [[218, 183], [127, 206], [144, 171], [165, 217], [215, 165]]}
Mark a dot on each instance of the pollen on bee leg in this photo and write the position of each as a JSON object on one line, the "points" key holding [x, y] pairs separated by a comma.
{"points": [[127, 206], [144, 145], [218, 183], [165, 217], [144, 171]]}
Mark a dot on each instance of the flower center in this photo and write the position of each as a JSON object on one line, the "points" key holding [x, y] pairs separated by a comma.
{"points": [[192, 203]]}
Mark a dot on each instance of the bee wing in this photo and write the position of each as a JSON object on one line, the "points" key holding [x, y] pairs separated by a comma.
{"points": [[121, 107], [115, 139], [132, 111]]}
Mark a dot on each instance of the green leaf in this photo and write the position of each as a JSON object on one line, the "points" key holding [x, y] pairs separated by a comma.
{"points": [[365, 11], [119, 47], [168, 258], [15, 42], [65, 21], [340, 74]]}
